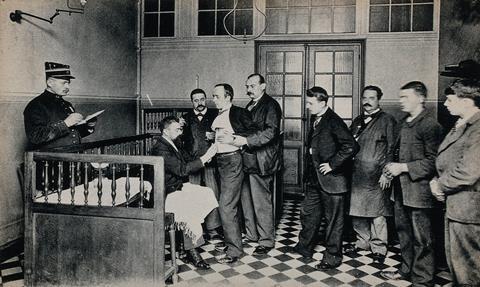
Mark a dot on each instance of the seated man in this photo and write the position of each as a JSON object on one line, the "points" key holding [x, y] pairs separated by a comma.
{"points": [[177, 169]]}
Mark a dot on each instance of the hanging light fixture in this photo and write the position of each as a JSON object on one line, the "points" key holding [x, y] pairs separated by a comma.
{"points": [[244, 38], [17, 16]]}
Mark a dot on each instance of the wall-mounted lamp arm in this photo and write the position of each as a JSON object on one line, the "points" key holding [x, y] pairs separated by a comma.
{"points": [[17, 16]]}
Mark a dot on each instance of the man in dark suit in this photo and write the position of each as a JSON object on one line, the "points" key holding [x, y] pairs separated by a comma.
{"points": [[330, 145], [178, 166], [197, 137], [413, 167], [49, 120], [231, 121], [265, 147]]}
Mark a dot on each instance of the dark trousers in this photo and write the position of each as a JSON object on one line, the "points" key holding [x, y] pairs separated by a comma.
{"points": [[259, 188], [414, 228], [317, 203], [206, 177], [231, 178], [248, 211], [462, 246]]}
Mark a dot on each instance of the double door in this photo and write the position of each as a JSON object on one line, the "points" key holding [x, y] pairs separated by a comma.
{"points": [[292, 68]]}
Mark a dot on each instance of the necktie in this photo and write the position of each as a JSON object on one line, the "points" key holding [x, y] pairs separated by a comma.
{"points": [[251, 105], [317, 121]]}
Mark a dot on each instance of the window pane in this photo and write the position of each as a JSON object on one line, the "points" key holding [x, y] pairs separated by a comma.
{"points": [[423, 1], [321, 21], [379, 2], [293, 84], [293, 130], [378, 18], [323, 62], [276, 3], [321, 2], [274, 85], [290, 166], [243, 22], [293, 62], [423, 17], [206, 4], [344, 62], [400, 18], [401, 1], [244, 4], [343, 85], [343, 107], [151, 5], [151, 25], [344, 19], [167, 5], [228, 23], [274, 62], [277, 21], [324, 81], [206, 23], [167, 24], [225, 4], [298, 20], [293, 107]]}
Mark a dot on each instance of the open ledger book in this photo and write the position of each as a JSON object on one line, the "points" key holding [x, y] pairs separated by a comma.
{"points": [[89, 117]]}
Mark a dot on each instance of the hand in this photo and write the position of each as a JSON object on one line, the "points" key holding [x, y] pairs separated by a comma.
{"points": [[239, 141], [210, 136], [436, 191], [182, 121], [73, 119], [394, 169], [325, 168], [211, 152], [384, 182]]}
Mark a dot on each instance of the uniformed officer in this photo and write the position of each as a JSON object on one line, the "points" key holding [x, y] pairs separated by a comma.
{"points": [[49, 120]]}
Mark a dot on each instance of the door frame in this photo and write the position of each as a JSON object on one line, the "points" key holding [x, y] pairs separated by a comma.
{"points": [[361, 43]]}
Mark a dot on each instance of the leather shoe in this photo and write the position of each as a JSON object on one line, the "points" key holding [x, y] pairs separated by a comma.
{"points": [[226, 259], [299, 250], [349, 248], [325, 266], [378, 257], [214, 235], [262, 250], [194, 257], [220, 246], [392, 275]]}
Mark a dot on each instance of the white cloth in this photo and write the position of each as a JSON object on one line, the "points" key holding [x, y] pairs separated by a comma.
{"points": [[222, 126], [92, 198], [191, 205]]}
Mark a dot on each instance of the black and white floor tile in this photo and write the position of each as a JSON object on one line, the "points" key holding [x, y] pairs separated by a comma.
{"points": [[278, 268]]}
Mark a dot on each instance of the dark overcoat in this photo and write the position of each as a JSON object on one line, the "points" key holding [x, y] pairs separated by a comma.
{"points": [[377, 142]]}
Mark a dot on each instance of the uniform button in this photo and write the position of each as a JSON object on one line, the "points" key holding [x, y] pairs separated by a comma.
{"points": [[73, 135]]}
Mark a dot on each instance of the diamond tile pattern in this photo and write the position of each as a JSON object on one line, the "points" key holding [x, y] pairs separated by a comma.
{"points": [[278, 268]]}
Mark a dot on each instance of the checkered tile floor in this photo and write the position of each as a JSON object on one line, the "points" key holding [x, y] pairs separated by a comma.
{"points": [[278, 268]]}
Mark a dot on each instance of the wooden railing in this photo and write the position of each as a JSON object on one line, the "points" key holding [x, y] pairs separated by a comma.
{"points": [[151, 117]]}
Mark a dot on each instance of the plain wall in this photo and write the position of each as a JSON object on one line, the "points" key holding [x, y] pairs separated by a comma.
{"points": [[100, 47]]}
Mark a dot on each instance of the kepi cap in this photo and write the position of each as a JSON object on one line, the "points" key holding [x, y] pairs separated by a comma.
{"points": [[57, 70]]}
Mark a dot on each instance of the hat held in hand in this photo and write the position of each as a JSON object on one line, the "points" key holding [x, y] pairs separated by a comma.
{"points": [[58, 71]]}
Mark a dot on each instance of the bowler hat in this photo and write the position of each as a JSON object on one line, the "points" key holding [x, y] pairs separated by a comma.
{"points": [[468, 69]]}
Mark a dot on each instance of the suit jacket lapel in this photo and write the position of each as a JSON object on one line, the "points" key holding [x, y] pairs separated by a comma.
{"points": [[172, 149], [453, 135], [322, 123]]}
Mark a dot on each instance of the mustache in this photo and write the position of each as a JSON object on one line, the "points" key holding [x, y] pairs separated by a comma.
{"points": [[367, 105]]}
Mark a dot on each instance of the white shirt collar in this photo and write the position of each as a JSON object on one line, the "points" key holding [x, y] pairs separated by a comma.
{"points": [[258, 99], [202, 112]]}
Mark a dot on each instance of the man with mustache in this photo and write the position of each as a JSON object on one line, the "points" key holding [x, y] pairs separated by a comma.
{"points": [[370, 202], [197, 138], [49, 120]]}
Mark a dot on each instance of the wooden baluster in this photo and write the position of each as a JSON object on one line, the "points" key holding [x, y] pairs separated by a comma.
{"points": [[78, 178], [99, 184], [72, 182], [114, 185], [60, 181], [45, 188], [142, 186], [85, 183], [127, 184]]}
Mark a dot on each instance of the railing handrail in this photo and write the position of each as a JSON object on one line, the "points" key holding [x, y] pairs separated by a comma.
{"points": [[98, 144]]}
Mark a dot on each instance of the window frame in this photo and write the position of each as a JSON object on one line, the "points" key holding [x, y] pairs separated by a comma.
{"points": [[175, 21]]}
